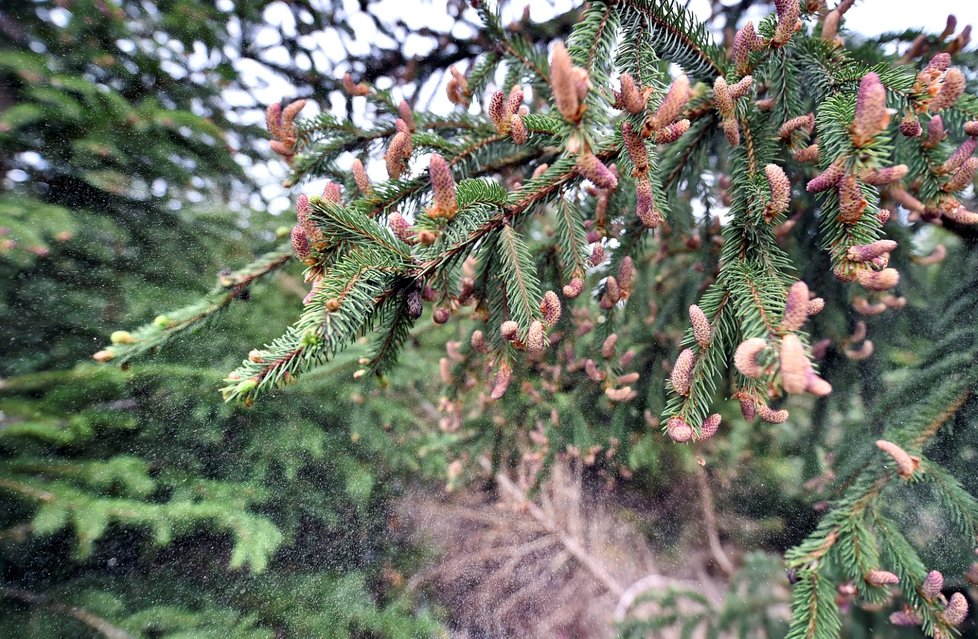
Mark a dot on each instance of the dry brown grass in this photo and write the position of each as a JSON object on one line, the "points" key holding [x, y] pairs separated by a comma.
{"points": [[559, 565]]}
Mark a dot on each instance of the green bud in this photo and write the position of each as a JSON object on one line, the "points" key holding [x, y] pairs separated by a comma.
{"points": [[311, 339], [122, 337], [161, 321], [246, 386]]}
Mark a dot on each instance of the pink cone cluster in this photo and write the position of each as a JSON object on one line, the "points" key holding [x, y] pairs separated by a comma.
{"points": [[281, 124]]}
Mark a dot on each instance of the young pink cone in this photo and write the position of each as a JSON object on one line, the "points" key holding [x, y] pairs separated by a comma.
{"points": [[721, 97], [672, 104], [565, 83], [626, 275], [702, 331], [961, 215], [780, 187], [300, 243], [590, 167], [878, 280], [962, 153], [872, 116], [740, 88], [910, 126], [880, 578], [710, 426], [795, 307], [536, 337], [550, 307], [573, 288], [443, 185], [935, 132], [794, 365], [889, 175], [851, 200], [731, 130], [333, 192], [745, 357], [397, 153], [679, 431], [630, 98], [806, 155], [827, 179], [682, 372], [497, 110], [963, 177], [772, 416], [635, 145], [744, 43], [804, 123], [503, 378], [404, 110], [747, 408], [951, 90], [933, 584], [867, 252], [645, 207], [957, 609], [788, 13], [361, 178], [672, 132], [906, 464]]}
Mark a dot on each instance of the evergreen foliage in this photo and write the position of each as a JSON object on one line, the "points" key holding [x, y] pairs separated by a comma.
{"points": [[629, 270], [792, 132]]}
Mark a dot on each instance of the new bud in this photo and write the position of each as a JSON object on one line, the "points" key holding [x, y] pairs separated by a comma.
{"points": [[795, 307], [672, 104], [443, 185], [780, 187], [566, 84], [957, 609], [933, 584], [682, 372], [872, 116], [702, 332], [710, 426], [827, 179], [867, 252], [878, 280], [794, 365], [361, 178], [951, 90], [573, 288], [745, 357], [502, 381], [679, 431], [590, 167], [906, 464], [550, 307], [880, 578]]}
